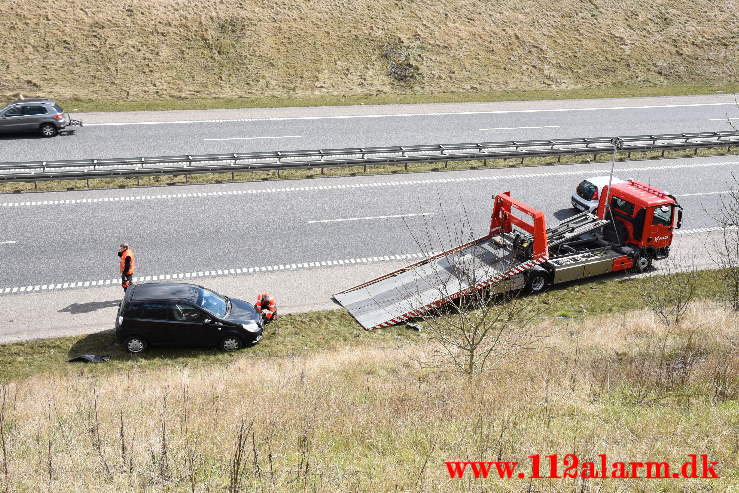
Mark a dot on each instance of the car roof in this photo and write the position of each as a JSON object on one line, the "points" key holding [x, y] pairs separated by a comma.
{"points": [[31, 100], [165, 291], [600, 181]]}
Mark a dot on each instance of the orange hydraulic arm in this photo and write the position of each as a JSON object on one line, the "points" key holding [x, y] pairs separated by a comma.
{"points": [[503, 220]]}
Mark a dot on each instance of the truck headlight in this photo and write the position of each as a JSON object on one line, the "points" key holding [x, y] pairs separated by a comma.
{"points": [[251, 327]]}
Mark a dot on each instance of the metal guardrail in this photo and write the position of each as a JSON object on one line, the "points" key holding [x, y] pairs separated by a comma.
{"points": [[353, 156]]}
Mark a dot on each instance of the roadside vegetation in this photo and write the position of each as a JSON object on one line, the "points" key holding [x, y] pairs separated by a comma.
{"points": [[321, 405], [244, 176], [168, 54]]}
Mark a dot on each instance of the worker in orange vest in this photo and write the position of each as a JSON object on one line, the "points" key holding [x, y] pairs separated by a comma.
{"points": [[128, 265], [266, 306]]}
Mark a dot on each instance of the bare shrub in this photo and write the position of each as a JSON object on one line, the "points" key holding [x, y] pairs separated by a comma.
{"points": [[399, 61], [726, 248], [669, 296]]}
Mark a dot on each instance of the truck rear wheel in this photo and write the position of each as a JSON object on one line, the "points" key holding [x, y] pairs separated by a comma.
{"points": [[537, 282], [642, 263]]}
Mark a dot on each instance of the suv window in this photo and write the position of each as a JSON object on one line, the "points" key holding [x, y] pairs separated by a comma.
{"points": [[34, 110], [57, 108], [150, 310], [662, 215], [14, 111], [622, 205]]}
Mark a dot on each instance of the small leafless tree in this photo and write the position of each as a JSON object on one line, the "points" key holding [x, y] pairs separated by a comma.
{"points": [[479, 330], [670, 294], [480, 324], [726, 248]]}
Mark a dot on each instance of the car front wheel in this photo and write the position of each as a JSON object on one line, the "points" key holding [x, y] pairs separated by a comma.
{"points": [[135, 345], [48, 130], [230, 343]]}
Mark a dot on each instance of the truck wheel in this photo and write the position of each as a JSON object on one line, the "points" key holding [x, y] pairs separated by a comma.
{"points": [[642, 263], [537, 283], [48, 130]]}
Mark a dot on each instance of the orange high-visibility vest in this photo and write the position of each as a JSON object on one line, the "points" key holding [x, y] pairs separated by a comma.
{"points": [[128, 253]]}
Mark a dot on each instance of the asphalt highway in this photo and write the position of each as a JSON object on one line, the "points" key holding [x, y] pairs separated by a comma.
{"points": [[108, 135], [67, 239]]}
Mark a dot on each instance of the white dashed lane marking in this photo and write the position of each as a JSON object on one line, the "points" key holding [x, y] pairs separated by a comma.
{"points": [[398, 183], [8, 242], [369, 218], [519, 128], [253, 270], [213, 273], [257, 138]]}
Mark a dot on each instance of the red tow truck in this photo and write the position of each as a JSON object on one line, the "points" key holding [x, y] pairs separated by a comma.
{"points": [[632, 227]]}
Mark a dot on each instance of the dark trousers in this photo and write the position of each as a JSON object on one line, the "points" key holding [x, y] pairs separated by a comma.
{"points": [[126, 280]]}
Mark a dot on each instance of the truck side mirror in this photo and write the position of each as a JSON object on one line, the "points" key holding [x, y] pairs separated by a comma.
{"points": [[679, 219]]}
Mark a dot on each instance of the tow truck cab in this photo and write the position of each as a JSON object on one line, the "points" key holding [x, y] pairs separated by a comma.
{"points": [[644, 217]]}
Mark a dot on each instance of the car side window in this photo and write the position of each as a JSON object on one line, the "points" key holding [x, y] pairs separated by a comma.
{"points": [[187, 313], [34, 110], [14, 111], [149, 310], [622, 205]]}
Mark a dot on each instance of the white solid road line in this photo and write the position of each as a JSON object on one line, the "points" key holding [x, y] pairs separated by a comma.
{"points": [[7, 242], [257, 138], [398, 183], [252, 270], [518, 128], [406, 115], [369, 218], [721, 119]]}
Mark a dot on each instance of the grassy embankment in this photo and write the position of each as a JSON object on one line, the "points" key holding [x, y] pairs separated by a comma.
{"points": [[328, 407], [140, 52]]}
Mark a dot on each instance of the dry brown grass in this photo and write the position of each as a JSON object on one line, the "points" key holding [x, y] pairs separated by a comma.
{"points": [[385, 418], [105, 49]]}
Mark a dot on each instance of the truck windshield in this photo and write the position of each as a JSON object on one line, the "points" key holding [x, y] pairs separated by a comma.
{"points": [[215, 304], [662, 215]]}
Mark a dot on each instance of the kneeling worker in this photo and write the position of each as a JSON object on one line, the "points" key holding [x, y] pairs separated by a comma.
{"points": [[128, 265], [266, 306]]}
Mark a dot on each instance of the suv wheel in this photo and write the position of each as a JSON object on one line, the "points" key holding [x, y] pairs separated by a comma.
{"points": [[230, 343], [135, 345], [48, 130]]}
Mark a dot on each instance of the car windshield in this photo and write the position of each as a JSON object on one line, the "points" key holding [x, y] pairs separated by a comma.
{"points": [[58, 108], [213, 303]]}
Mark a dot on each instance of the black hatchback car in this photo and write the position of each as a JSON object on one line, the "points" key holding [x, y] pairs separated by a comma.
{"points": [[178, 314]]}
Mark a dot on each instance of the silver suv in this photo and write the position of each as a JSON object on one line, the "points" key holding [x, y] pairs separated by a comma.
{"points": [[35, 115]]}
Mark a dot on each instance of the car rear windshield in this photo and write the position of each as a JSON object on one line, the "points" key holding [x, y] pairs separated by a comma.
{"points": [[58, 108], [213, 303], [586, 190]]}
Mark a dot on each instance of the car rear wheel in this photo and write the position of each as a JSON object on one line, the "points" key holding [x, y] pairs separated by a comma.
{"points": [[48, 130], [230, 343], [135, 345]]}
